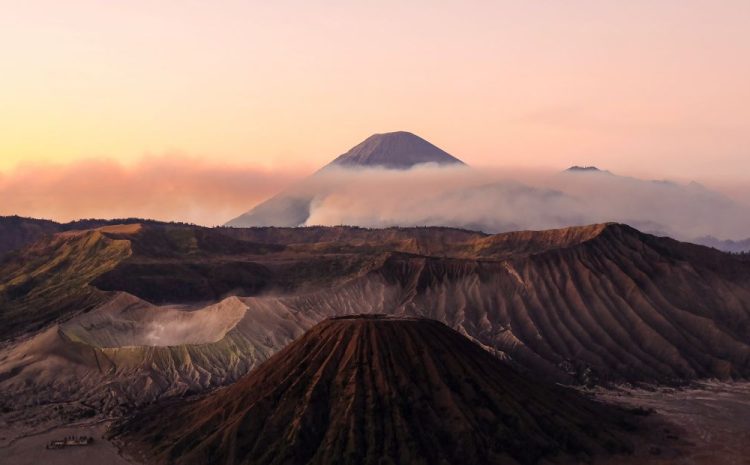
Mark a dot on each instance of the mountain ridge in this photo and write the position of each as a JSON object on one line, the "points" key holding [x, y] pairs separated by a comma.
{"points": [[130, 315]]}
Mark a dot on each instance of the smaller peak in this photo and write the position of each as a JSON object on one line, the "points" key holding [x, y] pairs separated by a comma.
{"points": [[698, 186], [591, 231], [614, 226], [608, 231], [585, 169]]}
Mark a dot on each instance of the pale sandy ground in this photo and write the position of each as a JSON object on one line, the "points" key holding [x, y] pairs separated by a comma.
{"points": [[709, 424], [30, 450]]}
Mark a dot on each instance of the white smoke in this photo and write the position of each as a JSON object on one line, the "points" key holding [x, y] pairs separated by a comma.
{"points": [[496, 201]]}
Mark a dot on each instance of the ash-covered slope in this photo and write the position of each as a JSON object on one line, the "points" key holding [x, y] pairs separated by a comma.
{"points": [[395, 150], [372, 390], [594, 304]]}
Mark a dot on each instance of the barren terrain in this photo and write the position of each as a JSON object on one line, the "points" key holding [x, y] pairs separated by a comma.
{"points": [[31, 449], [708, 423], [99, 323]]}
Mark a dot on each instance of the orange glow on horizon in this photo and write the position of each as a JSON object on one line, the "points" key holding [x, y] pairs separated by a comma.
{"points": [[643, 86]]}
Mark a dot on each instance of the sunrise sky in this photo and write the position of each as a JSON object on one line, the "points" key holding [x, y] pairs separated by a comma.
{"points": [[647, 88]]}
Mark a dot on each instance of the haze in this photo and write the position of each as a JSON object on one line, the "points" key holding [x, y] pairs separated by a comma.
{"points": [[653, 89], [312, 232]]}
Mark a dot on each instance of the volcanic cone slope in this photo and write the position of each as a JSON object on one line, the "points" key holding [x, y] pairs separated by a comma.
{"points": [[379, 390], [391, 151], [395, 150]]}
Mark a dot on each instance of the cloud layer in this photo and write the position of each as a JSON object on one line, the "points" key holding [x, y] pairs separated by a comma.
{"points": [[497, 201], [181, 188]]}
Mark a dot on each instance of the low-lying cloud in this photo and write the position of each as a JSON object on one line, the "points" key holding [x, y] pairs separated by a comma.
{"points": [[493, 200], [496, 201], [172, 188]]}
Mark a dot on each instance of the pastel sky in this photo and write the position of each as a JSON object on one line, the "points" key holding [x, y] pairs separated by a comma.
{"points": [[653, 88]]}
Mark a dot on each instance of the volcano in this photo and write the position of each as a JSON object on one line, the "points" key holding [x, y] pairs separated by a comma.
{"points": [[399, 150], [371, 389], [394, 150]]}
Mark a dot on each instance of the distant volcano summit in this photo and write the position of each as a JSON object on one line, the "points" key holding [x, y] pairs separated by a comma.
{"points": [[399, 150], [371, 389], [394, 150]]}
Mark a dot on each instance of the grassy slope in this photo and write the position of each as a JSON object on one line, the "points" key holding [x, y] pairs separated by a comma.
{"points": [[49, 280]]}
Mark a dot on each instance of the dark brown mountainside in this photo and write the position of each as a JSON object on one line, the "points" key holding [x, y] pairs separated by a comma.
{"points": [[619, 305], [602, 302], [118, 317], [49, 280], [16, 231], [379, 390]]}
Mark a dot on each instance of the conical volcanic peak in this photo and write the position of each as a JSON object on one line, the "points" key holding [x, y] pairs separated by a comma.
{"points": [[395, 150], [375, 389]]}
